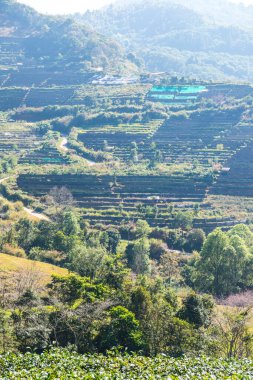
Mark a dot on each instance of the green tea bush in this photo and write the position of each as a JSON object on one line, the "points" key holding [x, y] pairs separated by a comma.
{"points": [[62, 364]]}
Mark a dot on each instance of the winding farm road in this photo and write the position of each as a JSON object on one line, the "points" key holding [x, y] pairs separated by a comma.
{"points": [[90, 163], [63, 147], [63, 144], [3, 179], [36, 214], [28, 210]]}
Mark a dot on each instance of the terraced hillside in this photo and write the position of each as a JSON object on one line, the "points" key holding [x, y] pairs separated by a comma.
{"points": [[119, 198], [237, 180], [18, 138], [194, 151], [127, 148], [120, 139]]}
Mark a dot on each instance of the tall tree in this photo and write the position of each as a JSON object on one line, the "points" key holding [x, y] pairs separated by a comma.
{"points": [[138, 256], [222, 263], [70, 224]]}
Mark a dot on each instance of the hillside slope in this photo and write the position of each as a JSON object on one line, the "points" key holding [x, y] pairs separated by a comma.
{"points": [[30, 39], [42, 271], [203, 40]]}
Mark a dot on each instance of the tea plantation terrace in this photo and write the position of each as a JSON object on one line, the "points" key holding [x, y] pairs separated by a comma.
{"points": [[238, 179], [107, 199], [119, 138], [19, 138], [14, 97], [190, 187], [203, 137], [45, 155], [28, 143], [113, 200], [35, 77], [197, 138]]}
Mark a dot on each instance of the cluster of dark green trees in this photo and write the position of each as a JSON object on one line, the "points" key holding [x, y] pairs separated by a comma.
{"points": [[8, 163], [141, 315], [125, 287]]}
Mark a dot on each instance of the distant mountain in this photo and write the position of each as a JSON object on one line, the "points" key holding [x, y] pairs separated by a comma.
{"points": [[27, 37], [222, 12], [208, 39]]}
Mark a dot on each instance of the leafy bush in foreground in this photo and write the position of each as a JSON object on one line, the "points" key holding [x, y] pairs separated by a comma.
{"points": [[62, 364]]}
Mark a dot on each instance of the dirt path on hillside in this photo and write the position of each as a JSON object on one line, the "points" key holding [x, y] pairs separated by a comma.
{"points": [[63, 144], [90, 163], [4, 179], [36, 214], [28, 210], [63, 147]]}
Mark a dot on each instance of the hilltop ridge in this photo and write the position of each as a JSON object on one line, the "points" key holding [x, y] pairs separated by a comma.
{"points": [[203, 40], [32, 39]]}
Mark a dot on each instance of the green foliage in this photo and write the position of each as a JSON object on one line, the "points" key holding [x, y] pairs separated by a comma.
{"points": [[120, 330], [183, 220], [47, 256], [138, 256], [140, 301], [26, 233], [65, 364], [110, 239], [222, 263], [87, 261], [7, 343], [70, 224], [197, 310], [72, 288], [195, 240], [31, 329], [114, 271], [142, 229], [243, 232], [157, 249]]}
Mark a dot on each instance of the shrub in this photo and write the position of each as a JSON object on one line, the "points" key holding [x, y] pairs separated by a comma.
{"points": [[14, 251]]}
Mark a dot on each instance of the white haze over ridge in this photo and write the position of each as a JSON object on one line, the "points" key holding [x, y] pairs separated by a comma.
{"points": [[74, 6], [65, 6]]}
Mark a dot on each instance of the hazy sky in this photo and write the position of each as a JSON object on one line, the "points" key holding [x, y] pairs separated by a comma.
{"points": [[72, 6], [65, 6]]}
